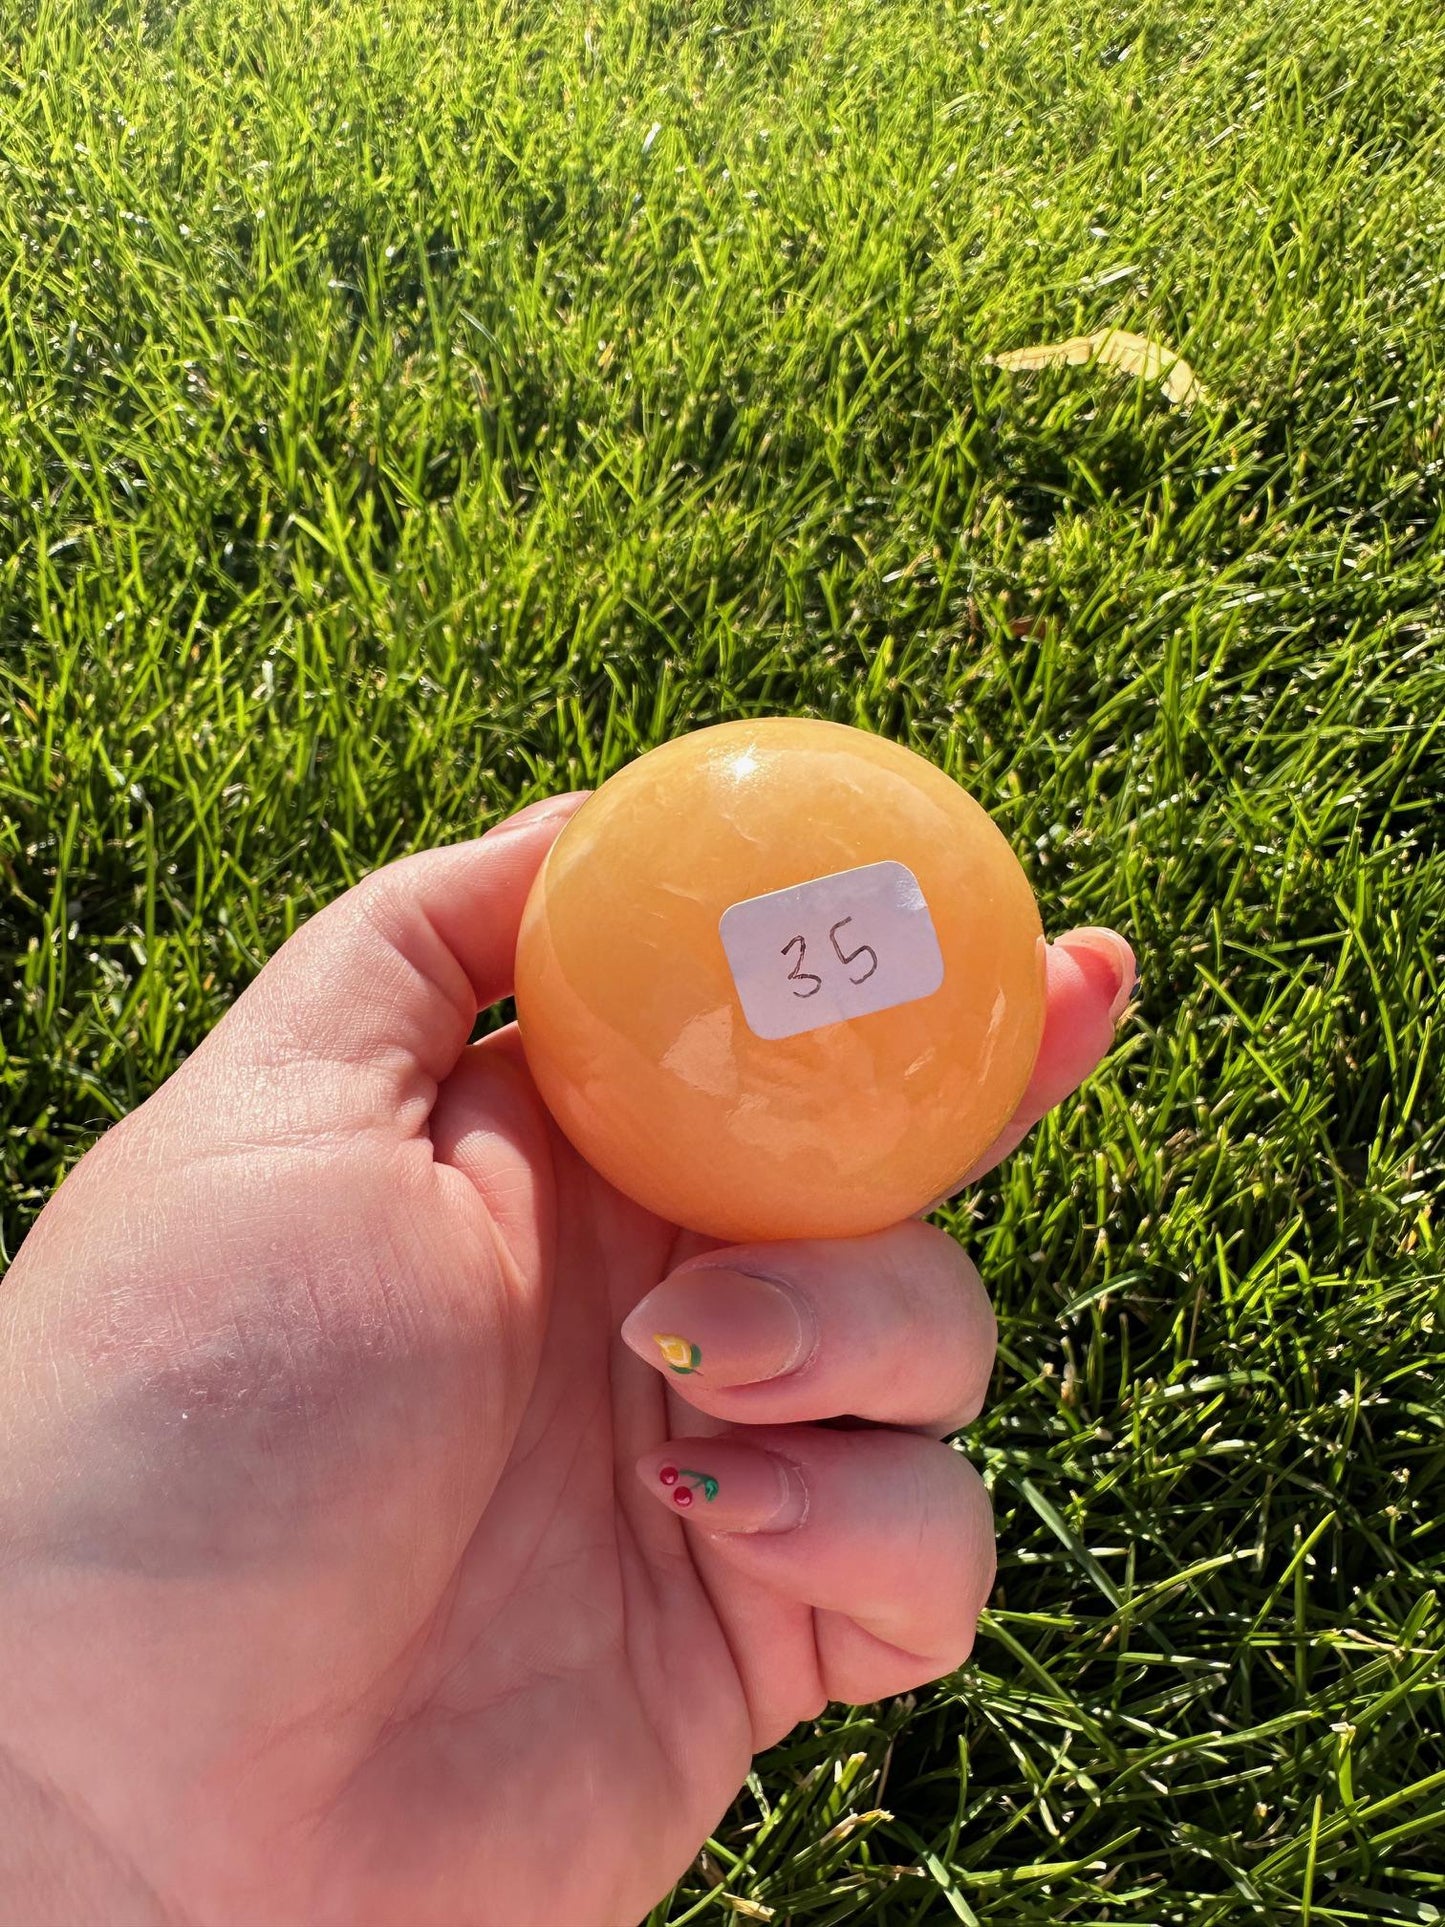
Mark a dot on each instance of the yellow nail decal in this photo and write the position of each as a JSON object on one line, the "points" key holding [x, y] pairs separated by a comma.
{"points": [[680, 1355]]}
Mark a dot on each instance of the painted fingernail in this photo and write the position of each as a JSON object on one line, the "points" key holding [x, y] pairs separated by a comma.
{"points": [[728, 1327], [1116, 957], [726, 1487]]}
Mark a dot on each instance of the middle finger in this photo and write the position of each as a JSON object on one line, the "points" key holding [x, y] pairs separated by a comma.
{"points": [[894, 1327]]}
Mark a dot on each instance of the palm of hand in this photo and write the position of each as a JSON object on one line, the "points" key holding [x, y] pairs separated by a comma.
{"points": [[424, 1643], [571, 1713]]}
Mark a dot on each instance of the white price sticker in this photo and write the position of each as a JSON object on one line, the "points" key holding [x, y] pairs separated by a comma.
{"points": [[838, 947]]}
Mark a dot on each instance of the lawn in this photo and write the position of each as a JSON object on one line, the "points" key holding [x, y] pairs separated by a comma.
{"points": [[408, 409]]}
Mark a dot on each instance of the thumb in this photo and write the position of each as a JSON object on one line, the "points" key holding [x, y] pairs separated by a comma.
{"points": [[368, 1007]]}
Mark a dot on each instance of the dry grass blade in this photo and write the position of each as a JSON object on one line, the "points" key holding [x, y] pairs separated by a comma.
{"points": [[1130, 354]]}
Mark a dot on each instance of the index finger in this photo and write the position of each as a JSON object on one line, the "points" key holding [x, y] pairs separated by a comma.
{"points": [[1092, 976]]}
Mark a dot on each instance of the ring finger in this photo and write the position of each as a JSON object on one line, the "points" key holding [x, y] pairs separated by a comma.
{"points": [[886, 1536]]}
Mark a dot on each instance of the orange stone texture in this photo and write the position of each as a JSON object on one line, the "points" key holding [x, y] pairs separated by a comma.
{"points": [[630, 1006]]}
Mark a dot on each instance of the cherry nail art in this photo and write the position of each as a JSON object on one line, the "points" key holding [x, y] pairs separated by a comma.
{"points": [[688, 1484]]}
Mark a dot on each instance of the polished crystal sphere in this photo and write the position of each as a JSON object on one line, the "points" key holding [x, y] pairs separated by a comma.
{"points": [[781, 979]]}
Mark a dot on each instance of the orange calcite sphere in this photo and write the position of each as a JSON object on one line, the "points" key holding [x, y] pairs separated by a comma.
{"points": [[781, 979]]}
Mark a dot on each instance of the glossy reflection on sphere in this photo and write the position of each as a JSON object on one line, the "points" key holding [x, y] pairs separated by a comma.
{"points": [[634, 1026]]}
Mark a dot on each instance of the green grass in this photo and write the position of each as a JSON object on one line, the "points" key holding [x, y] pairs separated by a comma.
{"points": [[408, 409]]}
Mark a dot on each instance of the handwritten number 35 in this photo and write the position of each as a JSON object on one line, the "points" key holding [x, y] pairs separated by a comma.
{"points": [[797, 975]]}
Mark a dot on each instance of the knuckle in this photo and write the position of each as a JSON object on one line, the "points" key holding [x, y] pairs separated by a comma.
{"points": [[970, 1556], [956, 1649], [933, 1279]]}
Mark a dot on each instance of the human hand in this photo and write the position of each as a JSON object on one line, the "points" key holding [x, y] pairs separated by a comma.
{"points": [[330, 1592]]}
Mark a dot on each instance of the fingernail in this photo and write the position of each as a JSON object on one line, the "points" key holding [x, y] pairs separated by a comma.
{"points": [[726, 1487], [541, 811], [1117, 957], [728, 1327]]}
